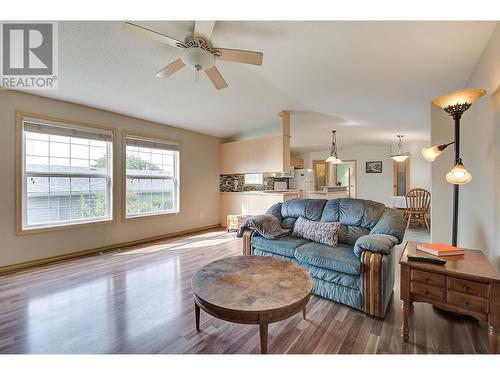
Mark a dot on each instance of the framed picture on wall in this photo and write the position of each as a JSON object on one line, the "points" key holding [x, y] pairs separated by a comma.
{"points": [[374, 166]]}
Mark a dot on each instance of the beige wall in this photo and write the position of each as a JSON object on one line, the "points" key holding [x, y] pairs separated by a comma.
{"points": [[479, 223], [199, 195], [373, 186]]}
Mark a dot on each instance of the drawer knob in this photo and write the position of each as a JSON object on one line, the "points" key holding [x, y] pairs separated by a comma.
{"points": [[426, 293], [467, 303], [427, 279], [466, 287]]}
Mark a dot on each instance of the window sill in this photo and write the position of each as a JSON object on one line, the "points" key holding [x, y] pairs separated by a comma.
{"points": [[21, 232], [149, 216]]}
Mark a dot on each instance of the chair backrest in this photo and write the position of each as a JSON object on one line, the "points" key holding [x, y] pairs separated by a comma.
{"points": [[418, 200]]}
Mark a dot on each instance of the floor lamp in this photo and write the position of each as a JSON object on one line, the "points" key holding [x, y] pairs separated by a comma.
{"points": [[455, 104]]}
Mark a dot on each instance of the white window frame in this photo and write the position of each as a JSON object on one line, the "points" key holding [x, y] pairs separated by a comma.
{"points": [[175, 178], [22, 226]]}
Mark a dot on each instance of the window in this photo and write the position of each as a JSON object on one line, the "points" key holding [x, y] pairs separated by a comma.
{"points": [[66, 175], [152, 176], [253, 179]]}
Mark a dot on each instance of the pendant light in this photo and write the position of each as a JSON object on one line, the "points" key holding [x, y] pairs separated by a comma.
{"points": [[333, 158], [400, 157]]}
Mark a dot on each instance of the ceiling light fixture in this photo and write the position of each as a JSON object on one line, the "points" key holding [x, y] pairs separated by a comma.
{"points": [[400, 157], [455, 104], [333, 158]]}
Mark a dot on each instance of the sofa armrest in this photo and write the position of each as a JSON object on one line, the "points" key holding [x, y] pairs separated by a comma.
{"points": [[376, 243], [247, 241]]}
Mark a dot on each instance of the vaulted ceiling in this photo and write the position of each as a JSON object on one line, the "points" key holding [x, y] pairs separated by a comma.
{"points": [[369, 80]]}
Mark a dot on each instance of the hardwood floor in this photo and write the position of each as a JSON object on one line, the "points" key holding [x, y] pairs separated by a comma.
{"points": [[139, 300]]}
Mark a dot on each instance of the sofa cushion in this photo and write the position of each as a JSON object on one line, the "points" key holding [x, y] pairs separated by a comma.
{"points": [[311, 209], [288, 223], [340, 258], [334, 277], [275, 210], [355, 212], [349, 234], [392, 223], [317, 231], [283, 246]]}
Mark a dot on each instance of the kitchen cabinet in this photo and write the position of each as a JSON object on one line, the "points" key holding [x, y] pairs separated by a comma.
{"points": [[251, 203], [297, 163], [258, 155]]}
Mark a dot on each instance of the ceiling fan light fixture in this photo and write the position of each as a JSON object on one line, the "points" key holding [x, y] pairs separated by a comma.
{"points": [[198, 58]]}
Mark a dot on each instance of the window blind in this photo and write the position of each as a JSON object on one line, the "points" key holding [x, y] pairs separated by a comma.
{"points": [[54, 128], [136, 141]]}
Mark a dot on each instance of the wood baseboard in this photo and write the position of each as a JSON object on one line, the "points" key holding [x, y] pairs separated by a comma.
{"points": [[58, 258]]}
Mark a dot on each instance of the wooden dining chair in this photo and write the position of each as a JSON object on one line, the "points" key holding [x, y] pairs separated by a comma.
{"points": [[417, 206]]}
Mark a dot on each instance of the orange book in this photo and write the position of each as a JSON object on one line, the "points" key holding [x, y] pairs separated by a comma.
{"points": [[439, 249]]}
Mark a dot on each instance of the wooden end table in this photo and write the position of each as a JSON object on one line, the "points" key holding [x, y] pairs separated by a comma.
{"points": [[467, 284], [251, 290]]}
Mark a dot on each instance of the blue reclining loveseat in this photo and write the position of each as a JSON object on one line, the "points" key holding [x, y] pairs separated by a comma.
{"points": [[359, 271]]}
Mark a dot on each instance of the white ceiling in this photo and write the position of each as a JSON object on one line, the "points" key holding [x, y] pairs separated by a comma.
{"points": [[369, 80]]}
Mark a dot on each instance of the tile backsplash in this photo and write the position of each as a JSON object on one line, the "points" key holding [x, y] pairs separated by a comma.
{"points": [[235, 183]]}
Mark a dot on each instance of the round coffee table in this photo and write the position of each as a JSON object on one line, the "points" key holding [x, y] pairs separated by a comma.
{"points": [[251, 290]]}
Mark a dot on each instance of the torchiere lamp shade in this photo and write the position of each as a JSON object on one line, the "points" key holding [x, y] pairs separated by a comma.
{"points": [[458, 101]]}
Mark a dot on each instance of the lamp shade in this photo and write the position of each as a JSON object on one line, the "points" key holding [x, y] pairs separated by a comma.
{"points": [[459, 98], [431, 153], [333, 160], [400, 158], [458, 175]]}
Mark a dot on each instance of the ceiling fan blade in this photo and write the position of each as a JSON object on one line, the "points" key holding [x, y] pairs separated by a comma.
{"points": [[215, 77], [170, 69], [241, 56], [151, 34], [204, 28]]}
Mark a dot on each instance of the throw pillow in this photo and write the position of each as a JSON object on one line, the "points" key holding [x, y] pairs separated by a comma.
{"points": [[318, 231]]}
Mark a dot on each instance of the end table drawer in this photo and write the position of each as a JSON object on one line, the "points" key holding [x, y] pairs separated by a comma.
{"points": [[468, 287], [467, 302], [428, 291], [428, 278]]}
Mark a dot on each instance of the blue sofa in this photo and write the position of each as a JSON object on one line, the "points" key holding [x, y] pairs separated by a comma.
{"points": [[359, 271]]}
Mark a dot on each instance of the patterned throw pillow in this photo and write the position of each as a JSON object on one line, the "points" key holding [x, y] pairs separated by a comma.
{"points": [[324, 232]]}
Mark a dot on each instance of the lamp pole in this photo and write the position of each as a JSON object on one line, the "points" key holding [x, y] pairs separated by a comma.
{"points": [[454, 229]]}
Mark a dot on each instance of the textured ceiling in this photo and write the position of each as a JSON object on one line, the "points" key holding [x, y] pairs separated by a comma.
{"points": [[369, 80]]}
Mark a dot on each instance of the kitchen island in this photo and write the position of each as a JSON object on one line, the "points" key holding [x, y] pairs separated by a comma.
{"points": [[252, 202], [329, 192]]}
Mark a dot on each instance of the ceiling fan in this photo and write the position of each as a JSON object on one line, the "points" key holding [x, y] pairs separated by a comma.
{"points": [[198, 52]]}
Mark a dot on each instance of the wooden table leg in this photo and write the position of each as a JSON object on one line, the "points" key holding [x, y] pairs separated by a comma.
{"points": [[197, 315], [493, 337], [263, 338], [304, 313], [405, 310]]}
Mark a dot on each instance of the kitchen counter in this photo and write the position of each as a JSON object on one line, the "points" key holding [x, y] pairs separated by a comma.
{"points": [[253, 202], [264, 192]]}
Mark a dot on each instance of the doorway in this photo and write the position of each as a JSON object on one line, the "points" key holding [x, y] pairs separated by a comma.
{"points": [[345, 175], [401, 177], [320, 168]]}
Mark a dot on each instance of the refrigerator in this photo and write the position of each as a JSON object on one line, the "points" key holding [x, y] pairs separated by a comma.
{"points": [[303, 179]]}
